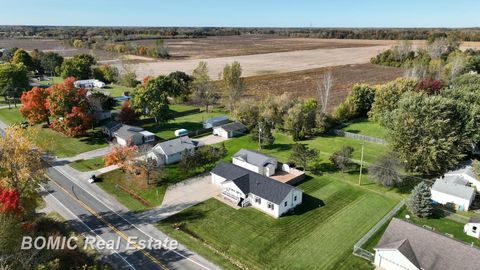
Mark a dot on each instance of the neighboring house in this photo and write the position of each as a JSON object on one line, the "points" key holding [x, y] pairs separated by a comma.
{"points": [[109, 128], [247, 188], [453, 192], [472, 228], [405, 246], [89, 84], [131, 135], [169, 152], [230, 130], [457, 187], [255, 162], [215, 121]]}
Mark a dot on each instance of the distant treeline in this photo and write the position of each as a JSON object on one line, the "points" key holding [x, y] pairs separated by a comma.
{"points": [[118, 34]]}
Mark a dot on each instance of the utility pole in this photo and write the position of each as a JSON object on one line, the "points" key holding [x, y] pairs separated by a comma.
{"points": [[260, 135], [361, 166]]}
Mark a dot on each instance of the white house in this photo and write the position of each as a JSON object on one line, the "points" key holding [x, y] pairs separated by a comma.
{"points": [[255, 162], [89, 84], [230, 130], [405, 246], [169, 152], [246, 188], [472, 228], [128, 135]]}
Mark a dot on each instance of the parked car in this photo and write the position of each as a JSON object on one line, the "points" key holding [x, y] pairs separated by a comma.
{"points": [[92, 179]]}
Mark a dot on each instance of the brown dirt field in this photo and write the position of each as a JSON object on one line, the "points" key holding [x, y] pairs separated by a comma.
{"points": [[304, 83], [211, 47]]}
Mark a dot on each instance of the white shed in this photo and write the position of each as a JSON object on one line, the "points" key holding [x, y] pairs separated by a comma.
{"points": [[454, 193], [472, 228]]}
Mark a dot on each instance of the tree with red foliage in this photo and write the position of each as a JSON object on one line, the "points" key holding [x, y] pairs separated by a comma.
{"points": [[70, 107], [9, 200], [121, 156], [34, 105], [127, 115], [429, 86]]}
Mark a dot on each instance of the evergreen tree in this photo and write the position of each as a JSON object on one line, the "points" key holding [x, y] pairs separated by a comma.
{"points": [[420, 201]]}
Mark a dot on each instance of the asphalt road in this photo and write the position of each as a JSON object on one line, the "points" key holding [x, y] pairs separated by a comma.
{"points": [[96, 219]]}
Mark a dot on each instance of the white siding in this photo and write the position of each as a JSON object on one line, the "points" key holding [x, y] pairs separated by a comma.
{"points": [[472, 229], [246, 165], [290, 201], [443, 198], [220, 132], [263, 206], [392, 260], [216, 179], [121, 141]]}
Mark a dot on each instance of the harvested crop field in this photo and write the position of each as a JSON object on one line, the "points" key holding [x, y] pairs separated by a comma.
{"points": [[304, 83], [210, 47]]}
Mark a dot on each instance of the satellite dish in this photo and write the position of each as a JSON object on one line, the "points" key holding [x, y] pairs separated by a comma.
{"points": [[407, 216]]}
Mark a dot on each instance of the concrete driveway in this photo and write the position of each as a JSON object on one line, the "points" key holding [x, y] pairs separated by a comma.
{"points": [[181, 196], [210, 139]]}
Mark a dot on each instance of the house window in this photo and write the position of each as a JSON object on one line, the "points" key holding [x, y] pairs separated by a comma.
{"points": [[474, 229], [295, 198], [285, 204], [270, 205], [258, 200]]}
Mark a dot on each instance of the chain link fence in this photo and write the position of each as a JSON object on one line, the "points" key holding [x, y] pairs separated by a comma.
{"points": [[359, 136], [357, 248]]}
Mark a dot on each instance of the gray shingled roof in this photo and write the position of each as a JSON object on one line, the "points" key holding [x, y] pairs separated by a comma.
{"points": [[126, 132], [235, 126], [251, 182], [113, 125], [216, 119], [431, 250], [174, 146], [252, 157], [451, 187]]}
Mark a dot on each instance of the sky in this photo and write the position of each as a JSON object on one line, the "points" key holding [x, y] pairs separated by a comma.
{"points": [[243, 13]]}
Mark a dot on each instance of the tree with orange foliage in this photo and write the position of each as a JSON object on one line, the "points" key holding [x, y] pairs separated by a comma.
{"points": [[9, 201], [34, 105], [121, 156], [70, 107]]}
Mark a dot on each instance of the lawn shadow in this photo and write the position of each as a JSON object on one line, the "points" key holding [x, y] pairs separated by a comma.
{"points": [[355, 131], [308, 204], [279, 147], [93, 138]]}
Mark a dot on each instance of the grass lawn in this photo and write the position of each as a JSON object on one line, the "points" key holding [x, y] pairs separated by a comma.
{"points": [[153, 194], [56, 142], [190, 122], [52, 80], [325, 144], [64, 146], [85, 165], [320, 235], [439, 221], [11, 116], [365, 127], [116, 90]]}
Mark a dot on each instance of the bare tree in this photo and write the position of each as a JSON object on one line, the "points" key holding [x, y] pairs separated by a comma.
{"points": [[323, 90], [233, 83], [402, 49], [438, 47], [146, 163]]}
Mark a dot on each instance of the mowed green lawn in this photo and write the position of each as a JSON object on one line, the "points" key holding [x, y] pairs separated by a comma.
{"points": [[56, 142], [440, 222], [326, 145], [85, 165], [190, 122], [365, 127], [320, 235]]}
